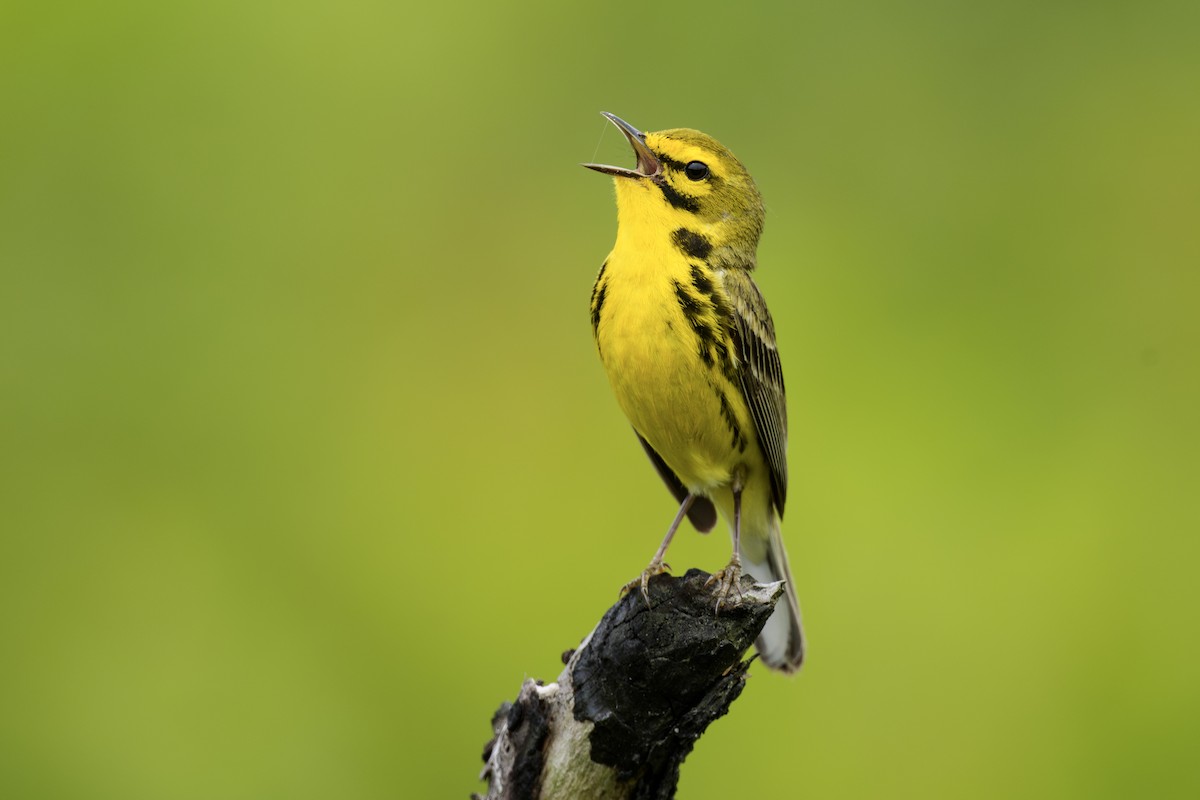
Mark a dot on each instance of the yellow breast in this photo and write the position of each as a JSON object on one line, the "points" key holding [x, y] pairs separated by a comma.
{"points": [[669, 357]]}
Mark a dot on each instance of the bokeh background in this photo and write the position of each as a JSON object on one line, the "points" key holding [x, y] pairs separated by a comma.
{"points": [[307, 461]]}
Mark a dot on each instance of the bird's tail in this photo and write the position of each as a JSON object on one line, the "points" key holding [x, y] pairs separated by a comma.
{"points": [[781, 643]]}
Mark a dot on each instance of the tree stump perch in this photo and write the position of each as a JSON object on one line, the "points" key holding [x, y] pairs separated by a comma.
{"points": [[632, 699]]}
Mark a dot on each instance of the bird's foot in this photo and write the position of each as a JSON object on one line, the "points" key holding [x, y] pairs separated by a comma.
{"points": [[642, 582], [727, 580]]}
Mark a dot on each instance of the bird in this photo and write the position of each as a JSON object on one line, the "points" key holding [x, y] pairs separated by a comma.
{"points": [[689, 348]]}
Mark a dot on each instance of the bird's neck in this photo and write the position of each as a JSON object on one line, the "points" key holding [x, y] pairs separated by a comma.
{"points": [[647, 225]]}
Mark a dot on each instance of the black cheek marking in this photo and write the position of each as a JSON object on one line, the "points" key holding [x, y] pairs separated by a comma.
{"points": [[678, 200], [695, 245]]}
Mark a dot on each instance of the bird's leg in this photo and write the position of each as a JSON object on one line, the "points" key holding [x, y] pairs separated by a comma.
{"points": [[731, 576], [656, 565]]}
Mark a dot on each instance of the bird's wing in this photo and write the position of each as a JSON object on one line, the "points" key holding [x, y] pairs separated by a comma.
{"points": [[702, 514], [761, 375]]}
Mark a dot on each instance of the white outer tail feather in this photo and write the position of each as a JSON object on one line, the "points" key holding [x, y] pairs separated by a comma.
{"points": [[781, 643]]}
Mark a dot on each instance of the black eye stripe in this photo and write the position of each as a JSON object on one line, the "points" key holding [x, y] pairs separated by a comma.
{"points": [[669, 162], [678, 166]]}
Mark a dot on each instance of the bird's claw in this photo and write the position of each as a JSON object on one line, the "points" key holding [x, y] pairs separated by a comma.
{"points": [[642, 582], [727, 579]]}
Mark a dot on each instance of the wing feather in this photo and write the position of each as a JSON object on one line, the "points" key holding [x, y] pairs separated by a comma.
{"points": [[761, 375]]}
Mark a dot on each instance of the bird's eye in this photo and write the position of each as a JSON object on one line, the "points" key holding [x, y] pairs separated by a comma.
{"points": [[696, 170]]}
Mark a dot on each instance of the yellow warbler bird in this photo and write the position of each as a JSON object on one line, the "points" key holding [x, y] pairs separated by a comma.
{"points": [[689, 347]]}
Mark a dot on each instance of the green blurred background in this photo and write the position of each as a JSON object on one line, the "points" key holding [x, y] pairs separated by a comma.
{"points": [[306, 458]]}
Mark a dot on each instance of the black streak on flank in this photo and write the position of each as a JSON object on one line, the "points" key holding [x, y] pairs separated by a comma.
{"points": [[710, 346], [692, 307], [693, 244], [703, 284], [599, 290], [719, 344], [599, 281], [693, 310], [597, 304], [738, 440]]}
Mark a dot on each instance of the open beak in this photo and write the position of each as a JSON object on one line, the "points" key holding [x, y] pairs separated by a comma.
{"points": [[647, 164]]}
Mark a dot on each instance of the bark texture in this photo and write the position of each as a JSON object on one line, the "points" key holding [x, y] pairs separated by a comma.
{"points": [[633, 698]]}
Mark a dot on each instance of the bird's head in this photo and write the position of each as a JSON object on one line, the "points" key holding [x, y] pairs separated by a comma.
{"points": [[687, 179]]}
